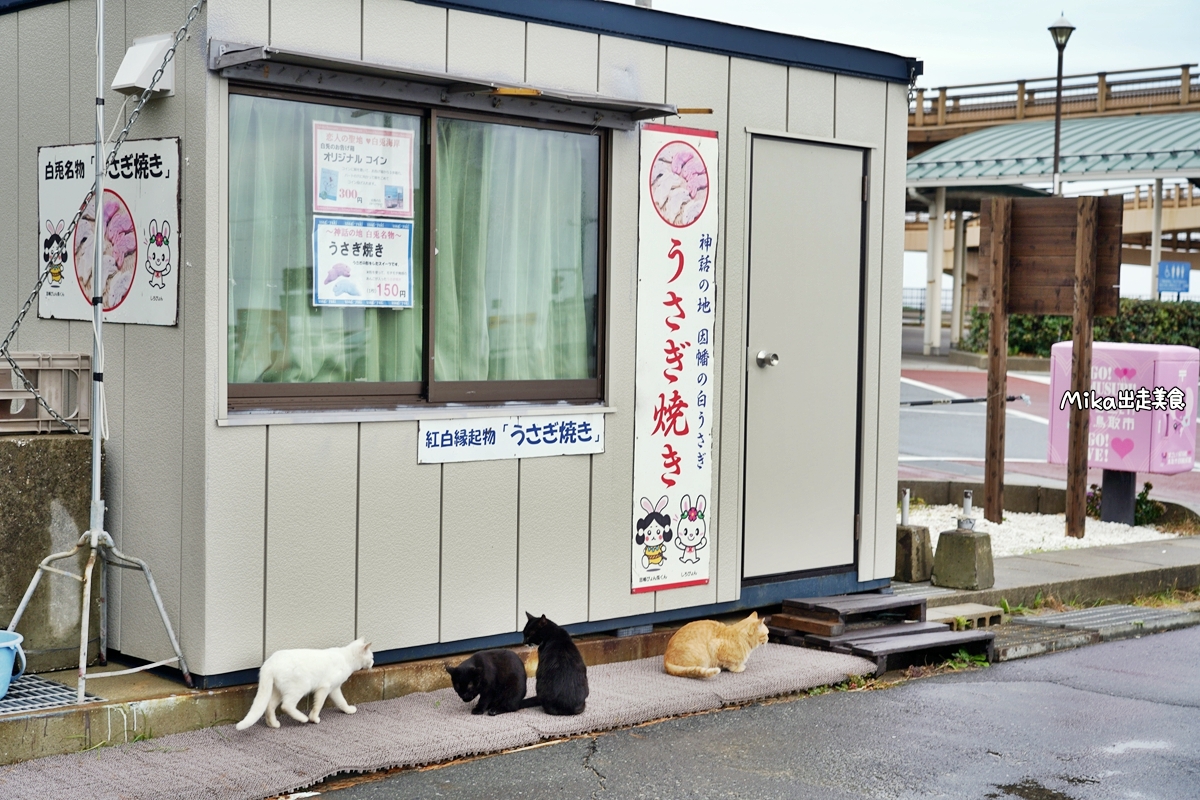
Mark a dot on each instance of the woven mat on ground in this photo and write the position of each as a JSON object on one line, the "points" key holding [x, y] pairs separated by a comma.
{"points": [[415, 729]]}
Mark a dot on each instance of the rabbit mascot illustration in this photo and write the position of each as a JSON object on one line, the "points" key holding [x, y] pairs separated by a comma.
{"points": [[653, 531], [691, 534], [54, 251], [158, 253]]}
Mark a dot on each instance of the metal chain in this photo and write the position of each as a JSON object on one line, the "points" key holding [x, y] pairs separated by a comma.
{"points": [[912, 86], [108, 162]]}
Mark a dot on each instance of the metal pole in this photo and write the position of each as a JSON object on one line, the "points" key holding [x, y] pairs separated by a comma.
{"points": [[960, 257], [96, 525], [1156, 238], [933, 277], [1058, 122]]}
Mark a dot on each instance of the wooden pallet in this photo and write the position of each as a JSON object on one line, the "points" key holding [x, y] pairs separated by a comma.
{"points": [[857, 607], [867, 634], [897, 652]]}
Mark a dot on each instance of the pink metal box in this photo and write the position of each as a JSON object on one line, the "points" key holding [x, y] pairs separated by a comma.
{"points": [[1142, 404]]}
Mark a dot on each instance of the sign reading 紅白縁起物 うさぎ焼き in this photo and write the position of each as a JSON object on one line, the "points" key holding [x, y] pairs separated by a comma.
{"points": [[674, 391], [138, 231], [362, 170], [442, 441], [362, 262]]}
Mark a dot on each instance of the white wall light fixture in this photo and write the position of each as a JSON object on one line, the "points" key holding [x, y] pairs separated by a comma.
{"points": [[141, 61]]}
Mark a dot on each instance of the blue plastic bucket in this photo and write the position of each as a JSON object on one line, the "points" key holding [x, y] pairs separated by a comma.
{"points": [[10, 648]]}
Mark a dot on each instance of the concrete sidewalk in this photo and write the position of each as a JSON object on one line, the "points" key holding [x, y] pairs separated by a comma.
{"points": [[138, 707]]}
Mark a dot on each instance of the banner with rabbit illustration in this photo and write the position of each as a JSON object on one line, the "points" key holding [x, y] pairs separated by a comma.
{"points": [[139, 231], [674, 391]]}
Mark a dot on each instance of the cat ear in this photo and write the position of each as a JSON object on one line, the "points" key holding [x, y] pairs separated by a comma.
{"points": [[530, 616]]}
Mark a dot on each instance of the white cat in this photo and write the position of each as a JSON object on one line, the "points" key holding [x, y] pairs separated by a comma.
{"points": [[288, 675]]}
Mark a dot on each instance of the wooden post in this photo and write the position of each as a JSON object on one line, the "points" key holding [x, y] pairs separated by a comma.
{"points": [[1020, 99], [1101, 92], [1081, 362], [941, 106], [1185, 84], [1001, 239], [920, 108]]}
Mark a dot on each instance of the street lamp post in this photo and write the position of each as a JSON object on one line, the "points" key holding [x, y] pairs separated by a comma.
{"points": [[1061, 32]]}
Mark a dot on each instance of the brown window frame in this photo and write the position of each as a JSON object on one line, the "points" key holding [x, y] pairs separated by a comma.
{"points": [[428, 392]]}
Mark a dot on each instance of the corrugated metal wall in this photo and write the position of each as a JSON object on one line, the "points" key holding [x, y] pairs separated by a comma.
{"points": [[272, 536]]}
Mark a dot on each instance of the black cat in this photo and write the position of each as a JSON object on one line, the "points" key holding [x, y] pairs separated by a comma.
{"points": [[496, 677], [562, 686]]}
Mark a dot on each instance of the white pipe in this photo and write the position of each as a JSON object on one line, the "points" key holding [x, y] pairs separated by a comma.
{"points": [[97, 510], [960, 257], [1156, 238], [933, 276]]}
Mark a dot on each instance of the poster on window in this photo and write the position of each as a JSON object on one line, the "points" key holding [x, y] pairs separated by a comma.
{"points": [[138, 231], [361, 261], [674, 390], [362, 170]]}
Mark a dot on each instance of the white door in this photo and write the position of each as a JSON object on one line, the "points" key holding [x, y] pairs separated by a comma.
{"points": [[805, 306]]}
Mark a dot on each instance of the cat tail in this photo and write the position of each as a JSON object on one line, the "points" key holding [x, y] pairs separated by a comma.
{"points": [[265, 686], [530, 702], [690, 672]]}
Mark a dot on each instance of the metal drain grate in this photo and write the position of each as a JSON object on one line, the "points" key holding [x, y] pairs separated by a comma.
{"points": [[31, 693], [1115, 622], [925, 589]]}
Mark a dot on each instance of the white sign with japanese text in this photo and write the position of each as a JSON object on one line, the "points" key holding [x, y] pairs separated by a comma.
{"points": [[139, 231], [494, 438], [362, 170], [362, 262], [674, 389]]}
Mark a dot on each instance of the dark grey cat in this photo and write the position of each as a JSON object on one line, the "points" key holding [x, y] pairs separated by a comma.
{"points": [[496, 677], [562, 686]]}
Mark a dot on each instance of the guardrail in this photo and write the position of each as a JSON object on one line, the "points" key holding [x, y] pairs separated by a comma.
{"points": [[1088, 94], [64, 379]]}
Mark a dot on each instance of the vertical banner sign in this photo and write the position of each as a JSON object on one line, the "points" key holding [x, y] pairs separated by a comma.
{"points": [[138, 228], [674, 388]]}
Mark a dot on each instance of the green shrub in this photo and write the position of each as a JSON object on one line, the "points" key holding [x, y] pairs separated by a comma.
{"points": [[1145, 510], [1146, 321]]}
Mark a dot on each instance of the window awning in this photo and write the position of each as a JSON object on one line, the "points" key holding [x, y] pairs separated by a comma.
{"points": [[286, 69], [1112, 148]]}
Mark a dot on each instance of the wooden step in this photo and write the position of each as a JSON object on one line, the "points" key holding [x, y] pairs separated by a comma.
{"points": [[897, 652], [854, 607], [804, 624], [867, 634]]}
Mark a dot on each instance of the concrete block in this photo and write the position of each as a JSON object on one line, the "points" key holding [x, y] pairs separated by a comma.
{"points": [[914, 553], [45, 504], [963, 560]]}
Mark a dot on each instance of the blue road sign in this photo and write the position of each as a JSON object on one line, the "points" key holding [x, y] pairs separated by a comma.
{"points": [[1174, 276]]}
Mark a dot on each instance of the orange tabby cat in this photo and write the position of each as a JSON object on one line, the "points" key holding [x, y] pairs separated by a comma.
{"points": [[703, 648]]}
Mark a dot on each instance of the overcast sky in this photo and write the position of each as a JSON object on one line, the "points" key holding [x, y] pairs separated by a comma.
{"points": [[973, 42]]}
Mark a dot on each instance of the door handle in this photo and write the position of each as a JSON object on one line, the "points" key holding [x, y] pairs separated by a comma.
{"points": [[766, 359]]}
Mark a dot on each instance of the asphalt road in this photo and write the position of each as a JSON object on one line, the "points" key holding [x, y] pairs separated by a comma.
{"points": [[1116, 720]]}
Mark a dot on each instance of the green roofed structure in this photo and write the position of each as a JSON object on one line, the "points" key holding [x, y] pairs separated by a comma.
{"points": [[1092, 149]]}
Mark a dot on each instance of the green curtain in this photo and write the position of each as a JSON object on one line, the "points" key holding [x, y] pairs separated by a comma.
{"points": [[276, 334], [516, 277]]}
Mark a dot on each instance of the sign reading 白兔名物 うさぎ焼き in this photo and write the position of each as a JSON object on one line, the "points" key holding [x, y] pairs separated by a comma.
{"points": [[138, 231], [441, 441], [362, 262], [674, 390], [362, 170]]}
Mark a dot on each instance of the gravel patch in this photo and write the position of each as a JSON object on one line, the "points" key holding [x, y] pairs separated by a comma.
{"points": [[1032, 533]]}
